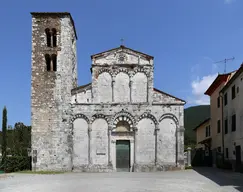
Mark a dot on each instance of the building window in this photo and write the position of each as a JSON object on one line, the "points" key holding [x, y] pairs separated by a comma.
{"points": [[51, 62], [237, 90], [225, 99], [48, 62], [218, 126], [227, 153], [233, 92], [51, 37], [208, 131], [218, 102], [233, 125], [225, 126], [48, 37]]}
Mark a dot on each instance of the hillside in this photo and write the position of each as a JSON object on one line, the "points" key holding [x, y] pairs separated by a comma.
{"points": [[193, 116]]}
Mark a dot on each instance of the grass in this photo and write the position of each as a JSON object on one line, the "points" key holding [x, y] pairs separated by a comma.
{"points": [[41, 172], [188, 167]]}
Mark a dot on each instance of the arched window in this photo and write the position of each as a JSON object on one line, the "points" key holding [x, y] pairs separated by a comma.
{"points": [[54, 37], [48, 62], [48, 37], [54, 62]]}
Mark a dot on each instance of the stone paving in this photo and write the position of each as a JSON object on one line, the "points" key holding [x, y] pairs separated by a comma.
{"points": [[202, 180]]}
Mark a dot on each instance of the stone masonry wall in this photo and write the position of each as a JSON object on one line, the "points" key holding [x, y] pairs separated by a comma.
{"points": [[162, 114], [51, 92]]}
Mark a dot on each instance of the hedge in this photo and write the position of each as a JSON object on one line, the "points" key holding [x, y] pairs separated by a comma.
{"points": [[16, 163]]}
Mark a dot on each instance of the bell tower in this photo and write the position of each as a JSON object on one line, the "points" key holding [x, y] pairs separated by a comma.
{"points": [[54, 75]]}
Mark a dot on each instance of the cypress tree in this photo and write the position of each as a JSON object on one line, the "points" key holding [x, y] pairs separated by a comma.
{"points": [[4, 136]]}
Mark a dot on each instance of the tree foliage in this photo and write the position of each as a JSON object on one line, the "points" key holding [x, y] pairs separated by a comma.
{"points": [[193, 116], [4, 135], [18, 141]]}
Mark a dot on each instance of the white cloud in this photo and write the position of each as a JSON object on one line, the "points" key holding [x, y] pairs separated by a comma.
{"points": [[199, 86], [228, 1]]}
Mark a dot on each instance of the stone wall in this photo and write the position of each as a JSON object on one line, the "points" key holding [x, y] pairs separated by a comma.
{"points": [[51, 92], [159, 128]]}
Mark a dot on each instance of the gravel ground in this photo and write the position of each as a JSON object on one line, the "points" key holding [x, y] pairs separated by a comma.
{"points": [[188, 180]]}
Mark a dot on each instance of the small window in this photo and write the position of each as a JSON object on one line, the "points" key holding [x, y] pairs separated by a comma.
{"points": [[206, 131], [209, 130], [233, 124], [226, 126], [237, 90], [225, 99], [48, 62], [218, 102], [227, 153], [54, 37], [233, 92], [54, 62], [48, 37], [218, 126]]}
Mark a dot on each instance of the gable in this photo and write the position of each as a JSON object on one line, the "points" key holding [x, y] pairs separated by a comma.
{"points": [[162, 97], [121, 55]]}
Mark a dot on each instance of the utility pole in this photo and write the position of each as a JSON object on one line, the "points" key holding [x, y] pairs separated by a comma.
{"points": [[225, 61]]}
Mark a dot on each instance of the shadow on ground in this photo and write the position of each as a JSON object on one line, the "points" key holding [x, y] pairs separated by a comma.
{"points": [[222, 177]]}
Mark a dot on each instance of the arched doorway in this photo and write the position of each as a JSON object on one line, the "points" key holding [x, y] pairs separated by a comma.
{"points": [[122, 148], [122, 142]]}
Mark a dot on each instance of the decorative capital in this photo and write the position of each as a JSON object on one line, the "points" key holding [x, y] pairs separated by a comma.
{"points": [[89, 129]]}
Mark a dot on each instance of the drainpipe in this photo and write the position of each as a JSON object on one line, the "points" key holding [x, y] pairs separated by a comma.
{"points": [[222, 113]]}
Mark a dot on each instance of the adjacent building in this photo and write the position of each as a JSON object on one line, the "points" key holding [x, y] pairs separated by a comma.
{"points": [[117, 122], [232, 94], [203, 135], [203, 154], [216, 111]]}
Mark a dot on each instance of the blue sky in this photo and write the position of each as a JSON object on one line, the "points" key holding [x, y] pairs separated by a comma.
{"points": [[186, 37]]}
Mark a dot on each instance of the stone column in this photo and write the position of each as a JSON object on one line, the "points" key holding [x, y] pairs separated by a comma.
{"points": [[51, 39], [112, 88], [135, 147], [156, 143], [189, 156], [89, 144], [109, 145], [180, 146], [130, 87]]}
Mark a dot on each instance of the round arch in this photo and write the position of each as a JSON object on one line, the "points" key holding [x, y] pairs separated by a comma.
{"points": [[99, 116], [80, 115], [170, 116], [123, 116], [103, 71], [149, 116]]}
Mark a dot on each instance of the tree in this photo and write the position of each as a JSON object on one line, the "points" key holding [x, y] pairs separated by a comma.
{"points": [[4, 135]]}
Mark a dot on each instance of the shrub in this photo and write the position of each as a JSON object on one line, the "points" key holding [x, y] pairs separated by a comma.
{"points": [[16, 163]]}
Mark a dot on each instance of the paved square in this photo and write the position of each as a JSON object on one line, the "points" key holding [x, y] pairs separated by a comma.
{"points": [[188, 181]]}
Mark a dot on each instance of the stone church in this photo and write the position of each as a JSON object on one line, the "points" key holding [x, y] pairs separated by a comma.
{"points": [[118, 122]]}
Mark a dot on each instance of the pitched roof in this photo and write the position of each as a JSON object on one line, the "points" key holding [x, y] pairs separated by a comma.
{"points": [[73, 91], [236, 74], [176, 98], [205, 121], [217, 82], [121, 47], [58, 14]]}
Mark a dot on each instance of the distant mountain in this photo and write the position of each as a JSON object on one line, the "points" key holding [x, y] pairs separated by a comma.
{"points": [[193, 116]]}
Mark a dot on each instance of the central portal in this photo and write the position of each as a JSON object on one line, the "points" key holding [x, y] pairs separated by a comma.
{"points": [[123, 155]]}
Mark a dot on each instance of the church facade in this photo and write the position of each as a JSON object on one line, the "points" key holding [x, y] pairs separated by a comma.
{"points": [[118, 122]]}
